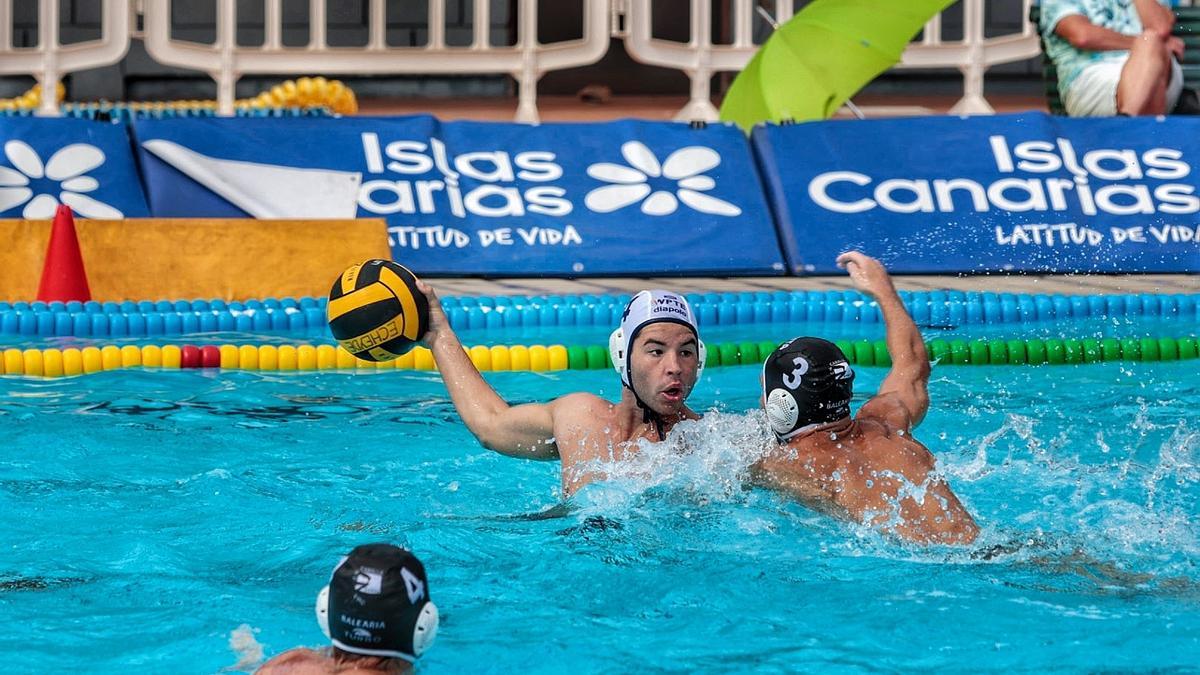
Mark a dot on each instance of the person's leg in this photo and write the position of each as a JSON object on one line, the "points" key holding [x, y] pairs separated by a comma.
{"points": [[1094, 91], [1174, 85], [1142, 89]]}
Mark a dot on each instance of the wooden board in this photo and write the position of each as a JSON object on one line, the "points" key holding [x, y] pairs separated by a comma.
{"points": [[187, 258]]}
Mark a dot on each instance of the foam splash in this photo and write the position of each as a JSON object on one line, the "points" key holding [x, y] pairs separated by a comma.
{"points": [[1041, 488], [706, 460], [1120, 498]]}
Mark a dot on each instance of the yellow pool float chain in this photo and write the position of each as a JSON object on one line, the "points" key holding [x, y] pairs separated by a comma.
{"points": [[305, 357], [305, 92], [30, 100]]}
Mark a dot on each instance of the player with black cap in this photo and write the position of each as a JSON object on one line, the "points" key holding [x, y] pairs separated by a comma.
{"points": [[867, 468], [377, 613], [657, 351]]}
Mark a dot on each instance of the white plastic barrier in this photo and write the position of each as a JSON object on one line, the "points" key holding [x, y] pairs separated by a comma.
{"points": [[50, 60], [700, 59], [526, 61], [974, 54]]}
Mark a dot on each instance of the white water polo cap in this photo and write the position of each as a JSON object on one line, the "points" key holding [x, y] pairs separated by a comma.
{"points": [[645, 308]]}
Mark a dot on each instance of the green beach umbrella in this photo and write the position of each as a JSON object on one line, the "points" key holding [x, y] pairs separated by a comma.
{"points": [[822, 56]]}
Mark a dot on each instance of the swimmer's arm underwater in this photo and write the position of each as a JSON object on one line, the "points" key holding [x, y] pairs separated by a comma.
{"points": [[519, 431], [903, 396]]}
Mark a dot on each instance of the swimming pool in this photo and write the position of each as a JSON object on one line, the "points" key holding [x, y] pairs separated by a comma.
{"points": [[154, 517]]}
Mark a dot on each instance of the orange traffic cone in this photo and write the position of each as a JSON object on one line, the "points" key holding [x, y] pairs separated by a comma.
{"points": [[63, 276]]}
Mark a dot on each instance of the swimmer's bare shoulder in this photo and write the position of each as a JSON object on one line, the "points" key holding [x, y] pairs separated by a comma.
{"points": [[580, 414], [303, 661], [579, 405], [299, 661]]}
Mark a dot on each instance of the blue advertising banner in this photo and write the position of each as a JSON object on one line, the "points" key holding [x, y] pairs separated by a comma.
{"points": [[1025, 192], [86, 165], [628, 197]]}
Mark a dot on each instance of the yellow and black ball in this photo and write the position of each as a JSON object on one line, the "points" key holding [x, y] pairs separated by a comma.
{"points": [[376, 311]]}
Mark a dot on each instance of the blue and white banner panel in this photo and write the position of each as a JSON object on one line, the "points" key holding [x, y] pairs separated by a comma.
{"points": [[1025, 192], [86, 165], [626, 197]]}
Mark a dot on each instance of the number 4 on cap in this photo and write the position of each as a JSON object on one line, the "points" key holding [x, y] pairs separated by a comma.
{"points": [[414, 586]]}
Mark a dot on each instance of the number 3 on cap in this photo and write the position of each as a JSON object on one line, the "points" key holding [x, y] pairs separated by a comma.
{"points": [[792, 379]]}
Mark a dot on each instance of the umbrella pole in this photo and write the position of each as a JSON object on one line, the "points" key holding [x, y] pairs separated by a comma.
{"points": [[855, 110], [766, 16]]}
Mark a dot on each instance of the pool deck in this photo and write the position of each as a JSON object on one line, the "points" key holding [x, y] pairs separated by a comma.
{"points": [[569, 108], [1066, 284], [659, 108]]}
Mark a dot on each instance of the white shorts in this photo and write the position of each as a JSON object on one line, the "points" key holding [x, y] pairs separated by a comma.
{"points": [[1094, 92]]}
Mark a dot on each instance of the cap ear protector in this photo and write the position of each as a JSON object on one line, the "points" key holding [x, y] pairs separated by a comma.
{"points": [[617, 351], [424, 630], [782, 411], [323, 610]]}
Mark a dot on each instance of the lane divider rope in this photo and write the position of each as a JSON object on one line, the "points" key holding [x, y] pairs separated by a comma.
{"points": [[56, 362], [946, 309]]}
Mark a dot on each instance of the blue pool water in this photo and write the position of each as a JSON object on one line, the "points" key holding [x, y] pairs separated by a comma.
{"points": [[177, 522]]}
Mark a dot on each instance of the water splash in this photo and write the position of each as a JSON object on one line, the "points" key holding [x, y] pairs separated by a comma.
{"points": [[247, 649], [704, 461]]}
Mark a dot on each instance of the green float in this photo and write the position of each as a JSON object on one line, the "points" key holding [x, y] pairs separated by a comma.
{"points": [[1131, 349], [765, 348], [997, 352], [598, 359], [577, 357], [748, 352], [873, 353], [1149, 349], [864, 353], [882, 356], [1187, 348], [1056, 351], [939, 351], [1110, 349], [1017, 353], [727, 353], [1168, 349], [1072, 351], [1036, 351]]}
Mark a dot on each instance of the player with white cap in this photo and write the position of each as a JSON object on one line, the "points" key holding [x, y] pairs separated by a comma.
{"points": [[659, 355]]}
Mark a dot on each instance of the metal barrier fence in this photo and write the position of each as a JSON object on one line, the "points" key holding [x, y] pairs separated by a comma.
{"points": [[526, 60]]}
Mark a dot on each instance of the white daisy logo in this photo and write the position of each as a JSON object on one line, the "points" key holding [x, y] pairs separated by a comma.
{"points": [[631, 184], [63, 174]]}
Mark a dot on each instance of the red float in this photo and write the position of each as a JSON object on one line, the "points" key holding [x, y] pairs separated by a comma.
{"points": [[189, 356]]}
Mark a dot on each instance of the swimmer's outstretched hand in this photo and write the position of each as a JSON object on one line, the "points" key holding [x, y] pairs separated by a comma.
{"points": [[867, 273], [438, 323]]}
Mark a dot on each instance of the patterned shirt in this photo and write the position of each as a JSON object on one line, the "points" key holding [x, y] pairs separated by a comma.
{"points": [[1116, 15]]}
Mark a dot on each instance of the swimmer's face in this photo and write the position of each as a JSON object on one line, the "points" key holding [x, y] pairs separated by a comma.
{"points": [[665, 360]]}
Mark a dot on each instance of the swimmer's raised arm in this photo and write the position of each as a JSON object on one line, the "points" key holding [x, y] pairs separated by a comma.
{"points": [[903, 397], [520, 431]]}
